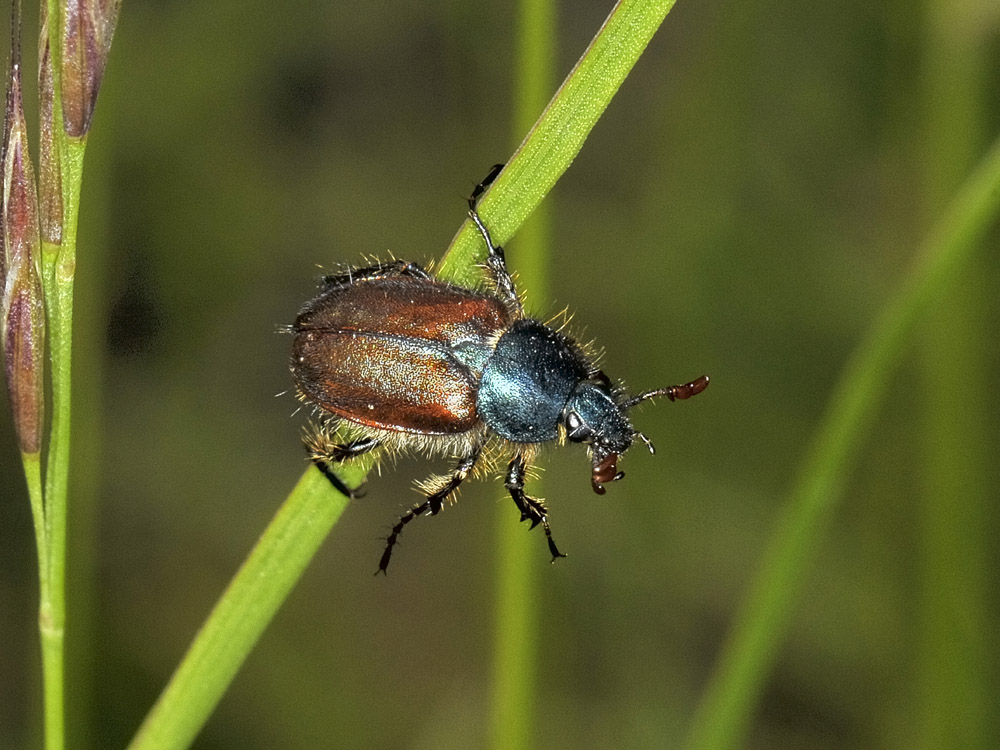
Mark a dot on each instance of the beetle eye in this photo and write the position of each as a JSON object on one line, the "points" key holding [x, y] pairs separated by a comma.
{"points": [[576, 430]]}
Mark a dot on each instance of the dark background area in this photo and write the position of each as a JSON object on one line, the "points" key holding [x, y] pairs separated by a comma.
{"points": [[746, 206]]}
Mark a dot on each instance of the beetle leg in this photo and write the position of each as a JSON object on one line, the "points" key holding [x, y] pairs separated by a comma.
{"points": [[340, 453], [479, 189], [531, 509], [324, 455], [378, 271], [496, 263], [432, 505]]}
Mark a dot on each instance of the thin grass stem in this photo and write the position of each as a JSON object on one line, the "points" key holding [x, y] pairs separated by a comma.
{"points": [[953, 624], [241, 614], [516, 624], [763, 618]]}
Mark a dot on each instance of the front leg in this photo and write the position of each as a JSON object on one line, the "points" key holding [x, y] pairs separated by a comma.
{"points": [[496, 263], [531, 509]]}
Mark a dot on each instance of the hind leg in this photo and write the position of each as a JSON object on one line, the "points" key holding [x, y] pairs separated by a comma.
{"points": [[378, 271], [325, 454], [432, 505]]}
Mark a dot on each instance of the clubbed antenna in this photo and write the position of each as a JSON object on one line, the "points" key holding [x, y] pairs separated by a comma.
{"points": [[673, 392]]}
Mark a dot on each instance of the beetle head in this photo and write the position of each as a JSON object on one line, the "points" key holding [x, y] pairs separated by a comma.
{"points": [[594, 416]]}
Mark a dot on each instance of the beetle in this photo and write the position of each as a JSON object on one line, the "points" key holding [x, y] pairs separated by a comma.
{"points": [[393, 358]]}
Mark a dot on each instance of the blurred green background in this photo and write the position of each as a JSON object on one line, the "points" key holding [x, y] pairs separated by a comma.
{"points": [[748, 203]]}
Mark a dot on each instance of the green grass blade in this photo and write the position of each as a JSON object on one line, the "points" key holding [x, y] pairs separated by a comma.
{"points": [[559, 133], [241, 615], [761, 622]]}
